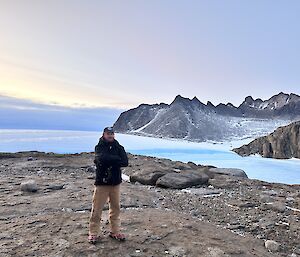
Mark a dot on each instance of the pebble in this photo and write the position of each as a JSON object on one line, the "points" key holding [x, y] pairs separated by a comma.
{"points": [[55, 187], [177, 251], [290, 199], [293, 255], [91, 169], [270, 192], [276, 206], [272, 245], [40, 172]]}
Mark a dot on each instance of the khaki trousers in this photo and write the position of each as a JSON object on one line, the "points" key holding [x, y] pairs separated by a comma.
{"points": [[100, 197]]}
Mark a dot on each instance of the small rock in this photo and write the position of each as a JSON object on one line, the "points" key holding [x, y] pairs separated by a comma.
{"points": [[193, 165], [62, 243], [247, 205], [235, 226], [29, 186], [40, 172], [91, 169], [67, 210], [290, 199], [182, 166], [276, 206], [272, 245], [30, 158], [194, 213], [55, 187], [177, 251], [266, 223], [270, 192], [293, 255], [125, 178], [204, 192]]}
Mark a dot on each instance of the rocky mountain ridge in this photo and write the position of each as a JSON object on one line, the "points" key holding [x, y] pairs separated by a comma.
{"points": [[283, 143], [193, 120]]}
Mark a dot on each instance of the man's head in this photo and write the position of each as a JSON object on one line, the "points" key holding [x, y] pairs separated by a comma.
{"points": [[109, 134]]}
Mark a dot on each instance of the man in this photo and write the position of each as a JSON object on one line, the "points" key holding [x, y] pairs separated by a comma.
{"points": [[110, 156]]}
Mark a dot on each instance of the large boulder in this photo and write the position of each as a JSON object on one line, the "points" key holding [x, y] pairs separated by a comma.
{"points": [[229, 171], [149, 176], [183, 179]]}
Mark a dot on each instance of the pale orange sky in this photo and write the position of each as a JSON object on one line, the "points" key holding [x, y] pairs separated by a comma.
{"points": [[123, 53]]}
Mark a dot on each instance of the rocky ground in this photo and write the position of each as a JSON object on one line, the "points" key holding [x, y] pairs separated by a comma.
{"points": [[224, 215]]}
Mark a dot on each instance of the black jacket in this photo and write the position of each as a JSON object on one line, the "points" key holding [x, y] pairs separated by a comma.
{"points": [[109, 158]]}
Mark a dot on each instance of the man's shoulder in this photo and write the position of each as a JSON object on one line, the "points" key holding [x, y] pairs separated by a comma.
{"points": [[118, 144]]}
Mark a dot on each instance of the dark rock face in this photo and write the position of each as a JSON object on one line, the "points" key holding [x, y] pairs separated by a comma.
{"points": [[137, 117], [283, 143], [191, 119]]}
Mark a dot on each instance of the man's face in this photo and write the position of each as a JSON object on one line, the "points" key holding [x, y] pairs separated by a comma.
{"points": [[109, 136]]}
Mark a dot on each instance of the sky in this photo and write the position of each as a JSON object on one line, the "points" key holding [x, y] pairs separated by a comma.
{"points": [[118, 54], [17, 113]]}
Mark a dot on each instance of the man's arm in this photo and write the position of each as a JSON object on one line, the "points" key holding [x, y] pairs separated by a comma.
{"points": [[123, 157], [103, 157]]}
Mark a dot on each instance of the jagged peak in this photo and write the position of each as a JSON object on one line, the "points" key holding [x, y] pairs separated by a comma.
{"points": [[249, 99], [220, 104], [294, 95], [282, 93], [230, 105], [210, 104], [278, 96], [195, 99], [144, 105], [180, 99]]}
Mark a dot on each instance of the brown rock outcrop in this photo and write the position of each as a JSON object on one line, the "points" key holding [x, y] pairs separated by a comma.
{"points": [[283, 143]]}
